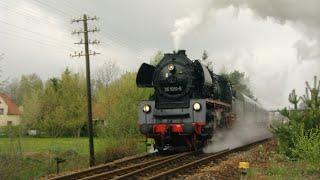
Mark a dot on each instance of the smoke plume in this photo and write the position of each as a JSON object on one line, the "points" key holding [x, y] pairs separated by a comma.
{"points": [[274, 70], [303, 15], [187, 24]]}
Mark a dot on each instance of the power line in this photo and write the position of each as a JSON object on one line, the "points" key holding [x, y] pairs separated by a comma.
{"points": [[30, 40], [46, 37], [28, 13], [43, 4], [118, 40]]}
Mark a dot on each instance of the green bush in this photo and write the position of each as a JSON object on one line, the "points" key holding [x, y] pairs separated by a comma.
{"points": [[307, 147], [118, 105], [12, 131], [299, 139]]}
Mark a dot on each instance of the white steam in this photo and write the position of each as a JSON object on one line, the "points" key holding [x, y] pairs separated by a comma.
{"points": [[303, 15], [187, 24], [274, 68], [247, 128]]}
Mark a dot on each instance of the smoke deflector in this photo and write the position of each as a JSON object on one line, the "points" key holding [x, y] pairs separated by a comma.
{"points": [[145, 75]]}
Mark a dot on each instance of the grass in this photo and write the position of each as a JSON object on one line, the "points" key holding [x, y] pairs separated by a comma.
{"points": [[42, 145], [29, 158], [280, 168]]}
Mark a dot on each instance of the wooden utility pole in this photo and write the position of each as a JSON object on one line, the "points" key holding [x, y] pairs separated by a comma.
{"points": [[87, 54]]}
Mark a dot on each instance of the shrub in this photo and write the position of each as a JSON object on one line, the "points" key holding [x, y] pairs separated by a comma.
{"points": [[300, 138], [118, 105], [12, 131], [307, 147]]}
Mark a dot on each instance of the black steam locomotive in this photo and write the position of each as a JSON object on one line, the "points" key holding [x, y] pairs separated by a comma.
{"points": [[189, 105]]}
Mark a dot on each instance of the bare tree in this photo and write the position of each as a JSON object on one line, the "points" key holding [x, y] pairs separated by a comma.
{"points": [[12, 88], [3, 80], [107, 73]]}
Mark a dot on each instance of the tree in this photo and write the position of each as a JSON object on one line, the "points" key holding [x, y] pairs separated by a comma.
{"points": [[156, 58], [239, 82], [293, 99], [2, 80], [300, 137], [106, 73], [118, 105], [206, 61], [12, 89], [59, 109], [72, 101], [28, 85]]}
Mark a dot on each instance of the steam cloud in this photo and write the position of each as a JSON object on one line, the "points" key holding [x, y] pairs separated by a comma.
{"points": [[248, 128], [185, 25], [302, 16]]}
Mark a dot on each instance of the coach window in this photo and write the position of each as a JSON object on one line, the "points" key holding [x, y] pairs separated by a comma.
{"points": [[1, 111]]}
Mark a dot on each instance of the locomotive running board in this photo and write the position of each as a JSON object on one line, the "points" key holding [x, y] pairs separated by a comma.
{"points": [[218, 103]]}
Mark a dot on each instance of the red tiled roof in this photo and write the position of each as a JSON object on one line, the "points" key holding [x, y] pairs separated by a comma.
{"points": [[13, 109]]}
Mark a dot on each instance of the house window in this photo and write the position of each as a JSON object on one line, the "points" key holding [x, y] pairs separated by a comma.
{"points": [[9, 122], [1, 111]]}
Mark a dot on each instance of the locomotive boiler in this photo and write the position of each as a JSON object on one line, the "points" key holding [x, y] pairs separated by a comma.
{"points": [[190, 103]]}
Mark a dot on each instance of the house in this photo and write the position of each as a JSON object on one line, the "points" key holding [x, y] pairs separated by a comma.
{"points": [[9, 111]]}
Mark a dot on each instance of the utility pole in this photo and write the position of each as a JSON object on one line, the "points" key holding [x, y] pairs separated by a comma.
{"points": [[87, 53]]}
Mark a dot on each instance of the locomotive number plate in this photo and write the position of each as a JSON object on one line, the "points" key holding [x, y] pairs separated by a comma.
{"points": [[172, 89]]}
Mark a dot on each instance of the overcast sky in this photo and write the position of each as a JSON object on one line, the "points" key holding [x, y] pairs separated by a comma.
{"points": [[276, 42]]}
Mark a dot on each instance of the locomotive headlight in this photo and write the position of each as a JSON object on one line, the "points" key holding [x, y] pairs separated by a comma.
{"points": [[146, 108], [170, 67], [196, 106]]}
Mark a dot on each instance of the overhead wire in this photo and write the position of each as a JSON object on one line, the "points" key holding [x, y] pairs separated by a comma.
{"points": [[114, 40], [47, 37], [36, 42]]}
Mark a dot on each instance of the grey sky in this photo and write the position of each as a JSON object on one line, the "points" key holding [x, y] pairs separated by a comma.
{"points": [[275, 42]]}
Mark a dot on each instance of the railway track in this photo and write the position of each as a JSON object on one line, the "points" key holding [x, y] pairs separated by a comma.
{"points": [[108, 166], [156, 167]]}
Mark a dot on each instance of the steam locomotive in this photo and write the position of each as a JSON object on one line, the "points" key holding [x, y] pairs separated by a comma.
{"points": [[190, 103]]}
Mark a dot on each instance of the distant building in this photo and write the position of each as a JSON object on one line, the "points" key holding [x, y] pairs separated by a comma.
{"points": [[9, 111]]}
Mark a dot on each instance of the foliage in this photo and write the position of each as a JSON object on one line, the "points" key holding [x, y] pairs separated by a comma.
{"points": [[299, 139], [29, 85], [307, 147], [57, 109], [12, 131], [293, 99], [239, 82], [117, 105]]}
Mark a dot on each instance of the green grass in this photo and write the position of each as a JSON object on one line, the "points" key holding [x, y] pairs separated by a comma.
{"points": [[43, 145], [28, 158], [285, 169]]}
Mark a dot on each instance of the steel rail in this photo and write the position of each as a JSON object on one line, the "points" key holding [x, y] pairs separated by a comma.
{"points": [[202, 160], [100, 168], [171, 171], [135, 168]]}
